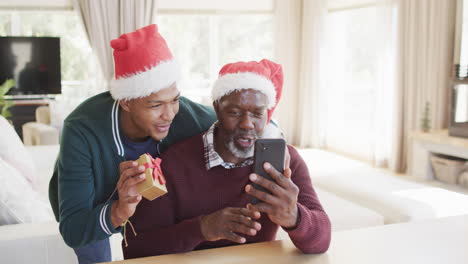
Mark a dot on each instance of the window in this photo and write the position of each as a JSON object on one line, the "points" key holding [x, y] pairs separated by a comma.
{"points": [[203, 43], [76, 54], [201, 40], [4, 24], [352, 80]]}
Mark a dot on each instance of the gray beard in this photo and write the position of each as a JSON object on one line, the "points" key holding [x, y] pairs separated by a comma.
{"points": [[238, 153], [242, 154]]}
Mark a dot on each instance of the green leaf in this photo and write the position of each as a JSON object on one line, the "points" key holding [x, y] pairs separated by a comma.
{"points": [[6, 86], [6, 113], [4, 104]]}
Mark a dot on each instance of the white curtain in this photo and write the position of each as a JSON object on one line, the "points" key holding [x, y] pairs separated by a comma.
{"points": [[387, 81], [299, 41], [414, 41], [105, 20], [356, 100], [426, 41], [288, 21]]}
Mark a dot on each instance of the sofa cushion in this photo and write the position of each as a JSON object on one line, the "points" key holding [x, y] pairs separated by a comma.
{"points": [[397, 199], [44, 158], [39, 243], [19, 202], [345, 215], [13, 151]]}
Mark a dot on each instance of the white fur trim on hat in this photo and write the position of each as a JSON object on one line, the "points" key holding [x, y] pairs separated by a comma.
{"points": [[147, 82], [231, 82]]}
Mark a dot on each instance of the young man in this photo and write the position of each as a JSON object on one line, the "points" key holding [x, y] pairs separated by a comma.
{"points": [[93, 189], [209, 179]]}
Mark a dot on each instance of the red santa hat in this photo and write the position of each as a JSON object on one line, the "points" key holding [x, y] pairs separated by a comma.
{"points": [[264, 76], [143, 64]]}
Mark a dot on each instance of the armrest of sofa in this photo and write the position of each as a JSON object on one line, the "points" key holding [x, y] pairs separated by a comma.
{"points": [[34, 243], [35, 133]]}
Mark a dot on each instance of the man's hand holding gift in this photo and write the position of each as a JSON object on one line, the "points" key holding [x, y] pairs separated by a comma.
{"points": [[142, 177]]}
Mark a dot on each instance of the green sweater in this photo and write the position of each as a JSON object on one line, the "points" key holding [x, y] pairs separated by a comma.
{"points": [[87, 168]]}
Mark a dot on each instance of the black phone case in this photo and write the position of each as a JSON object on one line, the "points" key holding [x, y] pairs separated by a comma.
{"points": [[268, 150]]}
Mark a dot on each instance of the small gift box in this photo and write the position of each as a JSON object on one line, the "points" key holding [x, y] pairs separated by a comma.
{"points": [[154, 184]]}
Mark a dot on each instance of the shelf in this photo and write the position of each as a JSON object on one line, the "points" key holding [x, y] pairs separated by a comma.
{"points": [[441, 137], [424, 145]]}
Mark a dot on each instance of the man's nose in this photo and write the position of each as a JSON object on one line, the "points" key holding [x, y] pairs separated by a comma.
{"points": [[246, 122], [168, 113]]}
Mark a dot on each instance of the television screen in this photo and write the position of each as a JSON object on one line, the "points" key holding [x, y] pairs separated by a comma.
{"points": [[33, 62]]}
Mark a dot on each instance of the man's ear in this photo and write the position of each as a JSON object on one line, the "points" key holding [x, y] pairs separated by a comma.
{"points": [[125, 104], [216, 106]]}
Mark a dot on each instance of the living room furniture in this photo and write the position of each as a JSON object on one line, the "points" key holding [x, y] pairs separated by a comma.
{"points": [[41, 242], [395, 198], [424, 145], [24, 111], [433, 241], [40, 132], [44, 244], [346, 215]]}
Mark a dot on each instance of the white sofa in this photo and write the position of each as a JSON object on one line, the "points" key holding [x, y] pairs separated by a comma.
{"points": [[38, 242], [354, 196], [395, 198], [43, 243], [40, 132]]}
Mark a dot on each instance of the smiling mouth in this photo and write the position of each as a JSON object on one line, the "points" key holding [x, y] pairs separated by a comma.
{"points": [[245, 141], [163, 128]]}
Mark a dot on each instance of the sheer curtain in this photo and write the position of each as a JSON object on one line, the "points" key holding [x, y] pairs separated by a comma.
{"points": [[357, 77], [426, 41], [105, 20], [298, 47], [360, 91]]}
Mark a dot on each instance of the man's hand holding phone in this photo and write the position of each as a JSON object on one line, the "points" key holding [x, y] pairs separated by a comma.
{"points": [[281, 204]]}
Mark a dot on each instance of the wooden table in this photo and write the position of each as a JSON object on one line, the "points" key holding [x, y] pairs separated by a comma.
{"points": [[438, 241]]}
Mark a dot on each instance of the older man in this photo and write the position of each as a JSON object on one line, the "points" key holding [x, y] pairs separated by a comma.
{"points": [[208, 179]]}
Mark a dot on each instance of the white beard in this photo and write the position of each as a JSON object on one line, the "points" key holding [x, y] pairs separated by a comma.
{"points": [[242, 154]]}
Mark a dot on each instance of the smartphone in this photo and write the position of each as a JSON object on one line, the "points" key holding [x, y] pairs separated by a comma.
{"points": [[268, 150]]}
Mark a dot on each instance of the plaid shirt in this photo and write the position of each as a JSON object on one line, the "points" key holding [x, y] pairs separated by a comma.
{"points": [[212, 158]]}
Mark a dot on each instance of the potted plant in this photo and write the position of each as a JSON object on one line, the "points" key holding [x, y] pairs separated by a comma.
{"points": [[4, 104]]}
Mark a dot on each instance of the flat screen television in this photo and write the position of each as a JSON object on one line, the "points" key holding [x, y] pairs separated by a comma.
{"points": [[33, 62], [459, 112]]}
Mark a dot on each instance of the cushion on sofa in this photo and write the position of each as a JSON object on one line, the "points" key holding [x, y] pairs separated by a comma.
{"points": [[39, 243], [44, 158], [19, 202], [397, 199], [13, 151], [345, 215]]}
